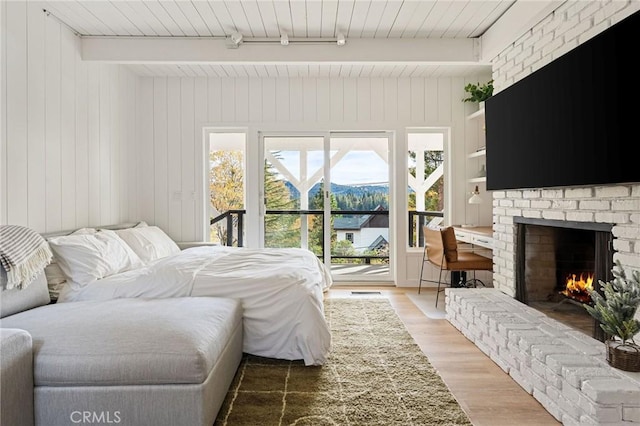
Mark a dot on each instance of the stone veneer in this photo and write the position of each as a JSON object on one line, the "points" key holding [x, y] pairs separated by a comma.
{"points": [[564, 369], [618, 205], [568, 26]]}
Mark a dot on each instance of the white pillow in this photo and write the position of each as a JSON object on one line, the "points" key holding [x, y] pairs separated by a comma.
{"points": [[149, 242], [85, 258], [56, 279]]}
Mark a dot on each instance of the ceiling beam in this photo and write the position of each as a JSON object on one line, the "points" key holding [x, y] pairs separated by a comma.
{"points": [[139, 50]]}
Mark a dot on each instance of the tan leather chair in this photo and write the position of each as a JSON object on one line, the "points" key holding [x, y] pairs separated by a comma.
{"points": [[441, 250]]}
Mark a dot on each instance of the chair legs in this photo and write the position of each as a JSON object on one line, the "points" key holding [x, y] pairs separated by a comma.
{"points": [[424, 259], [473, 282], [439, 282], [421, 270]]}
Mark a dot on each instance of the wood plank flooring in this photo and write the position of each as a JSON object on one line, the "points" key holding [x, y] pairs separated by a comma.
{"points": [[488, 395]]}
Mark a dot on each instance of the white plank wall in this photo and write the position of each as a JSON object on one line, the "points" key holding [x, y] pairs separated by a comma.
{"points": [[68, 129], [172, 112]]}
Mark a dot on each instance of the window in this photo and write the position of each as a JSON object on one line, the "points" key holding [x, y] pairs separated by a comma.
{"points": [[349, 236], [426, 181], [226, 187]]}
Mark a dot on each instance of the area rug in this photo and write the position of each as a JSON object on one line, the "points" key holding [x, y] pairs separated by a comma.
{"points": [[375, 375]]}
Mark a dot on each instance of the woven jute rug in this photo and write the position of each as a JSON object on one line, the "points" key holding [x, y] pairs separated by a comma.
{"points": [[375, 375]]}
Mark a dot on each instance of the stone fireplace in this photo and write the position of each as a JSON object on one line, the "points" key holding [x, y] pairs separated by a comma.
{"points": [[563, 368], [558, 263]]}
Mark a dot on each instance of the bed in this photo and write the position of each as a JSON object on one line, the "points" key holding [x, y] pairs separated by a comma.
{"points": [[281, 289]]}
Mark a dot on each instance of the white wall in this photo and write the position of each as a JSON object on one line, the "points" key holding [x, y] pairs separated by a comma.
{"points": [[68, 128], [174, 110]]}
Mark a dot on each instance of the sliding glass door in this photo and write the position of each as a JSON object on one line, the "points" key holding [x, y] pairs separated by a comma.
{"points": [[293, 192], [329, 193]]}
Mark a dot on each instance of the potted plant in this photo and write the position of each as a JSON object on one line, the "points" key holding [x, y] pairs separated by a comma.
{"points": [[478, 92], [616, 312]]}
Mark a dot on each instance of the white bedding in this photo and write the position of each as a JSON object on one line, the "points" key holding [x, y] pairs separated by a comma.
{"points": [[281, 292]]}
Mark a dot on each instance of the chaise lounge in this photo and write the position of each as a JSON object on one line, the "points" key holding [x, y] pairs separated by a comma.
{"points": [[128, 361]]}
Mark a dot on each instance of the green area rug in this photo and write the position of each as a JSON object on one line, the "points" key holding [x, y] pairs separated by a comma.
{"points": [[375, 375]]}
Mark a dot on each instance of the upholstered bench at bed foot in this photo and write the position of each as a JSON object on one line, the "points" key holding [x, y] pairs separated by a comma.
{"points": [[16, 378], [133, 361]]}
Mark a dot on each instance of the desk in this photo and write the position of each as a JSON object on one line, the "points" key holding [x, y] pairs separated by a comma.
{"points": [[477, 235]]}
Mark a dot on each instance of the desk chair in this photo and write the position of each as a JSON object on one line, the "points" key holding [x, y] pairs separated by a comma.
{"points": [[441, 249]]}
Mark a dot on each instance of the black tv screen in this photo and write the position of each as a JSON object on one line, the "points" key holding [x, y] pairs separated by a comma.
{"points": [[568, 123]]}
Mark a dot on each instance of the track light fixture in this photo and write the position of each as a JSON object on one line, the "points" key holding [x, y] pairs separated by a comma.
{"points": [[234, 40]]}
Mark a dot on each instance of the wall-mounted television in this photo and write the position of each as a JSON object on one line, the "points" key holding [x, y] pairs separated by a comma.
{"points": [[575, 121]]}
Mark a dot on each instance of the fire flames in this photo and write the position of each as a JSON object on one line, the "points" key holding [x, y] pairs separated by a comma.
{"points": [[578, 288]]}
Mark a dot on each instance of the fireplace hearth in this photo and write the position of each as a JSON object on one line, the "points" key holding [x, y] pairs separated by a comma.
{"points": [[557, 262]]}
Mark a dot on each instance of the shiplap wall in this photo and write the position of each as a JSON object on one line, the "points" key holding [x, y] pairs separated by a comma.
{"points": [[172, 112], [68, 128]]}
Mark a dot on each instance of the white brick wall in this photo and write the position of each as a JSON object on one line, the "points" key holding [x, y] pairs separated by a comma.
{"points": [[623, 212], [568, 26], [564, 369]]}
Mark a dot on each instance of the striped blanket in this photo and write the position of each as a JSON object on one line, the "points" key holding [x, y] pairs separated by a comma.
{"points": [[23, 254]]}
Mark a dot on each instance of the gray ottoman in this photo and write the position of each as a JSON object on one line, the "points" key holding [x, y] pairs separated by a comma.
{"points": [[133, 361], [16, 378]]}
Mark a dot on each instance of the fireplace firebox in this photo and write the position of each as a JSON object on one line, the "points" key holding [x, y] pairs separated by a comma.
{"points": [[557, 263]]}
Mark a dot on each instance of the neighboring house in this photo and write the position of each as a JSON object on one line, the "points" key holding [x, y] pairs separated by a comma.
{"points": [[365, 232]]}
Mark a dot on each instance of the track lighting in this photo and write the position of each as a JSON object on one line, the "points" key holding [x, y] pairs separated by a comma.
{"points": [[234, 40]]}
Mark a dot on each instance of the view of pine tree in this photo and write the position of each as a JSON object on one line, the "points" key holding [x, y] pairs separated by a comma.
{"points": [[366, 201], [280, 230], [315, 225], [226, 184], [434, 198]]}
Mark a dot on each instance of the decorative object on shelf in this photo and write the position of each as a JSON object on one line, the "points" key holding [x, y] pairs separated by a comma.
{"points": [[616, 312], [478, 92], [475, 196], [482, 172]]}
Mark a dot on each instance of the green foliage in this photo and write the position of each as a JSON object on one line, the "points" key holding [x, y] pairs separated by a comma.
{"points": [[434, 198], [366, 201], [616, 310], [226, 184], [316, 238], [279, 230], [478, 92]]}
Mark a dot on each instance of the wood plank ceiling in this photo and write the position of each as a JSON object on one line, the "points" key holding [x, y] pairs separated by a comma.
{"points": [[298, 19]]}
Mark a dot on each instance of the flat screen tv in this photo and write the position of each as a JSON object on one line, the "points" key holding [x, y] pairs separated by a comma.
{"points": [[569, 123]]}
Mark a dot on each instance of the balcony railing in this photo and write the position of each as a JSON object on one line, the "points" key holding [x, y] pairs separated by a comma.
{"points": [[234, 221]]}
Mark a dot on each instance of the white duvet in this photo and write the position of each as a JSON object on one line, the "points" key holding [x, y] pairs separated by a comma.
{"points": [[281, 292]]}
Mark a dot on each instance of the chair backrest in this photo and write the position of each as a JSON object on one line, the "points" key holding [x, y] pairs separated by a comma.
{"points": [[434, 247], [441, 245]]}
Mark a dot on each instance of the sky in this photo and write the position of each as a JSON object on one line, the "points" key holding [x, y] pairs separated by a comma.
{"points": [[357, 167]]}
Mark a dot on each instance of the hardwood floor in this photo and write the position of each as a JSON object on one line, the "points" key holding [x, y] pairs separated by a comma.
{"points": [[488, 395]]}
